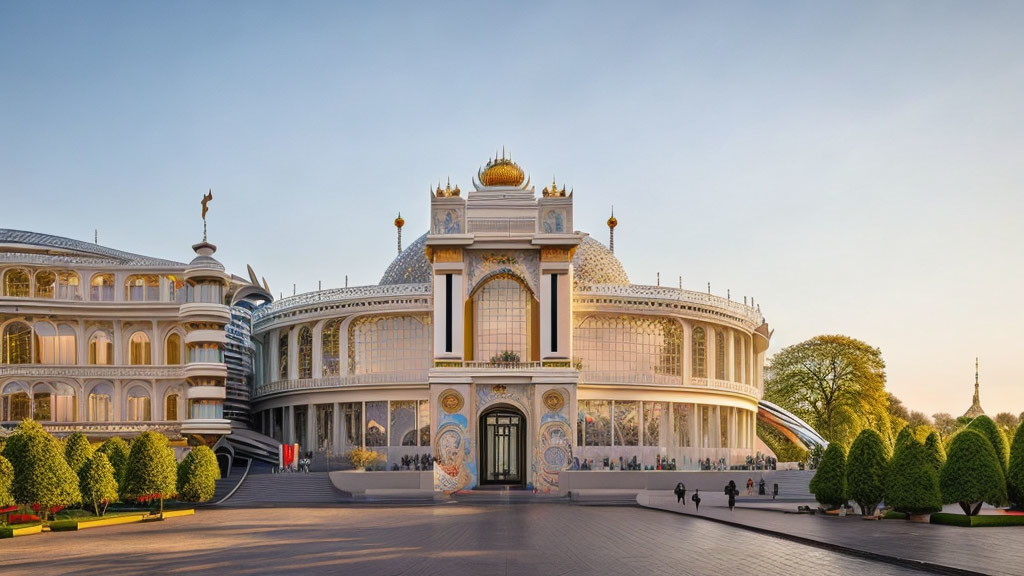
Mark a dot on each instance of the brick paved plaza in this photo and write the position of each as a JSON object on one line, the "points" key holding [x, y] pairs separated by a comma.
{"points": [[438, 539]]}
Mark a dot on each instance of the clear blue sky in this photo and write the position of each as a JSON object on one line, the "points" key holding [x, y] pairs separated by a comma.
{"points": [[857, 167]]}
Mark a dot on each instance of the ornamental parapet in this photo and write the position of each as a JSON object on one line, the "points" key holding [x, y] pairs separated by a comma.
{"points": [[342, 299], [666, 299], [302, 384], [104, 372], [648, 379], [107, 428]]}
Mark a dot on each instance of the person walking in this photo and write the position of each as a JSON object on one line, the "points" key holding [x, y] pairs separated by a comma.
{"points": [[731, 491], [750, 486], [696, 498], [680, 493]]}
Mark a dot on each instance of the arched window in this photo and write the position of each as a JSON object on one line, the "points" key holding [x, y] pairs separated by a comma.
{"points": [[720, 354], [139, 349], [67, 286], [55, 345], [172, 349], [101, 349], [15, 404], [142, 288], [502, 320], [65, 403], [176, 289], [739, 359], [42, 402], [282, 356], [16, 283], [17, 344], [330, 348], [137, 405], [390, 344], [699, 353], [629, 349], [46, 284], [100, 403], [305, 352], [171, 407], [102, 288], [208, 292]]}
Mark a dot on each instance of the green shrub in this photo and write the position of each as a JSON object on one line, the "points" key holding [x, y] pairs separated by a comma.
{"points": [[152, 468], [6, 478], [1015, 471], [829, 482], [995, 436], [77, 451], [97, 484], [979, 520], [972, 474], [117, 451], [911, 483], [865, 470], [41, 474], [906, 435], [197, 475], [933, 447]]}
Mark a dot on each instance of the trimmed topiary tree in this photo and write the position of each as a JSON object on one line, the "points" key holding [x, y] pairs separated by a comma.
{"points": [[6, 478], [911, 482], [936, 455], [197, 475], [41, 474], [972, 474], [1015, 471], [152, 469], [906, 435], [995, 436], [98, 485], [117, 450], [865, 470], [829, 482], [77, 451]]}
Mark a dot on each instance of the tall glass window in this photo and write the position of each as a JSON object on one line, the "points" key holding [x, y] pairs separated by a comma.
{"points": [[54, 345], [100, 403], [172, 349], [739, 359], [101, 288], [17, 344], [424, 422], [101, 349], [305, 352], [720, 354], [142, 288], [67, 286], [139, 349], [699, 353], [46, 284], [176, 289], [377, 423], [16, 402], [137, 405], [629, 348], [390, 344], [723, 426], [41, 411], [352, 425], [282, 355], [330, 348], [652, 422], [65, 403], [324, 426], [206, 409], [171, 407], [502, 318], [594, 425], [627, 423], [17, 283], [682, 416], [403, 423]]}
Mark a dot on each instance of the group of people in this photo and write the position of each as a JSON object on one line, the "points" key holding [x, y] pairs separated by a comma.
{"points": [[761, 462], [731, 492]]}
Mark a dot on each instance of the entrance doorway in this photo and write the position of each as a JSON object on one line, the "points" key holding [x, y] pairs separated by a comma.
{"points": [[502, 446]]}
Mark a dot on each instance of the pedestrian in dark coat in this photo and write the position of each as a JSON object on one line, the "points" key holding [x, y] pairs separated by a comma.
{"points": [[696, 498], [731, 491], [680, 493]]}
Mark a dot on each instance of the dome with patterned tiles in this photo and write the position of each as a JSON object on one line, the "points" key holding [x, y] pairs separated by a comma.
{"points": [[594, 264], [411, 266]]}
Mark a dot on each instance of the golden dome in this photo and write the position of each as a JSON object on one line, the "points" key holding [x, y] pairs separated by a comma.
{"points": [[447, 191], [502, 172], [553, 191], [399, 222]]}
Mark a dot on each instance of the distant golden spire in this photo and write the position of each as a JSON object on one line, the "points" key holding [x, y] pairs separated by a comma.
{"points": [[612, 223], [399, 222]]}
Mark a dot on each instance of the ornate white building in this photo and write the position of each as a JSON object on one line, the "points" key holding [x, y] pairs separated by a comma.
{"points": [[510, 347]]}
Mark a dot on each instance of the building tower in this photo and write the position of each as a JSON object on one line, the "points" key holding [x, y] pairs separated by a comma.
{"points": [[975, 410]]}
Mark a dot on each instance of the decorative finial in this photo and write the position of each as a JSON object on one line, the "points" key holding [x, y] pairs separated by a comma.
{"points": [[659, 278], [680, 282], [709, 287], [346, 280], [206, 200], [612, 223], [96, 236], [399, 222], [728, 294]]}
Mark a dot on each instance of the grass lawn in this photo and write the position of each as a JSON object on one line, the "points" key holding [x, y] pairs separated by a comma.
{"points": [[979, 520]]}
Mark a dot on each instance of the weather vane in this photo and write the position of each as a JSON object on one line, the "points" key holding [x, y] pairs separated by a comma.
{"points": [[206, 200]]}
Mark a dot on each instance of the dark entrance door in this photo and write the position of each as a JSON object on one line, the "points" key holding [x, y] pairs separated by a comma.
{"points": [[502, 447]]}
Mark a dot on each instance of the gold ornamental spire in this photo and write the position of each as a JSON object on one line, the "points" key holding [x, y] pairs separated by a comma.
{"points": [[399, 222], [612, 223]]}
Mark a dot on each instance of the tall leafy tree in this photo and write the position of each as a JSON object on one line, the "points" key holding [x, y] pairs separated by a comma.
{"points": [[197, 475], [41, 474], [1007, 422], [829, 482], [946, 424], [152, 468], [865, 470], [6, 478], [98, 485], [911, 482], [1015, 471], [972, 474], [77, 451], [995, 436], [116, 450], [933, 448], [835, 383]]}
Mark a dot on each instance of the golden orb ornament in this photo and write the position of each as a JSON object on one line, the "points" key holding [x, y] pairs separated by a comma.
{"points": [[399, 222], [613, 222], [502, 172]]}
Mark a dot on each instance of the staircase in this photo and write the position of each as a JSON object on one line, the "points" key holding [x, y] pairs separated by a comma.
{"points": [[250, 444], [794, 486], [261, 488]]}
